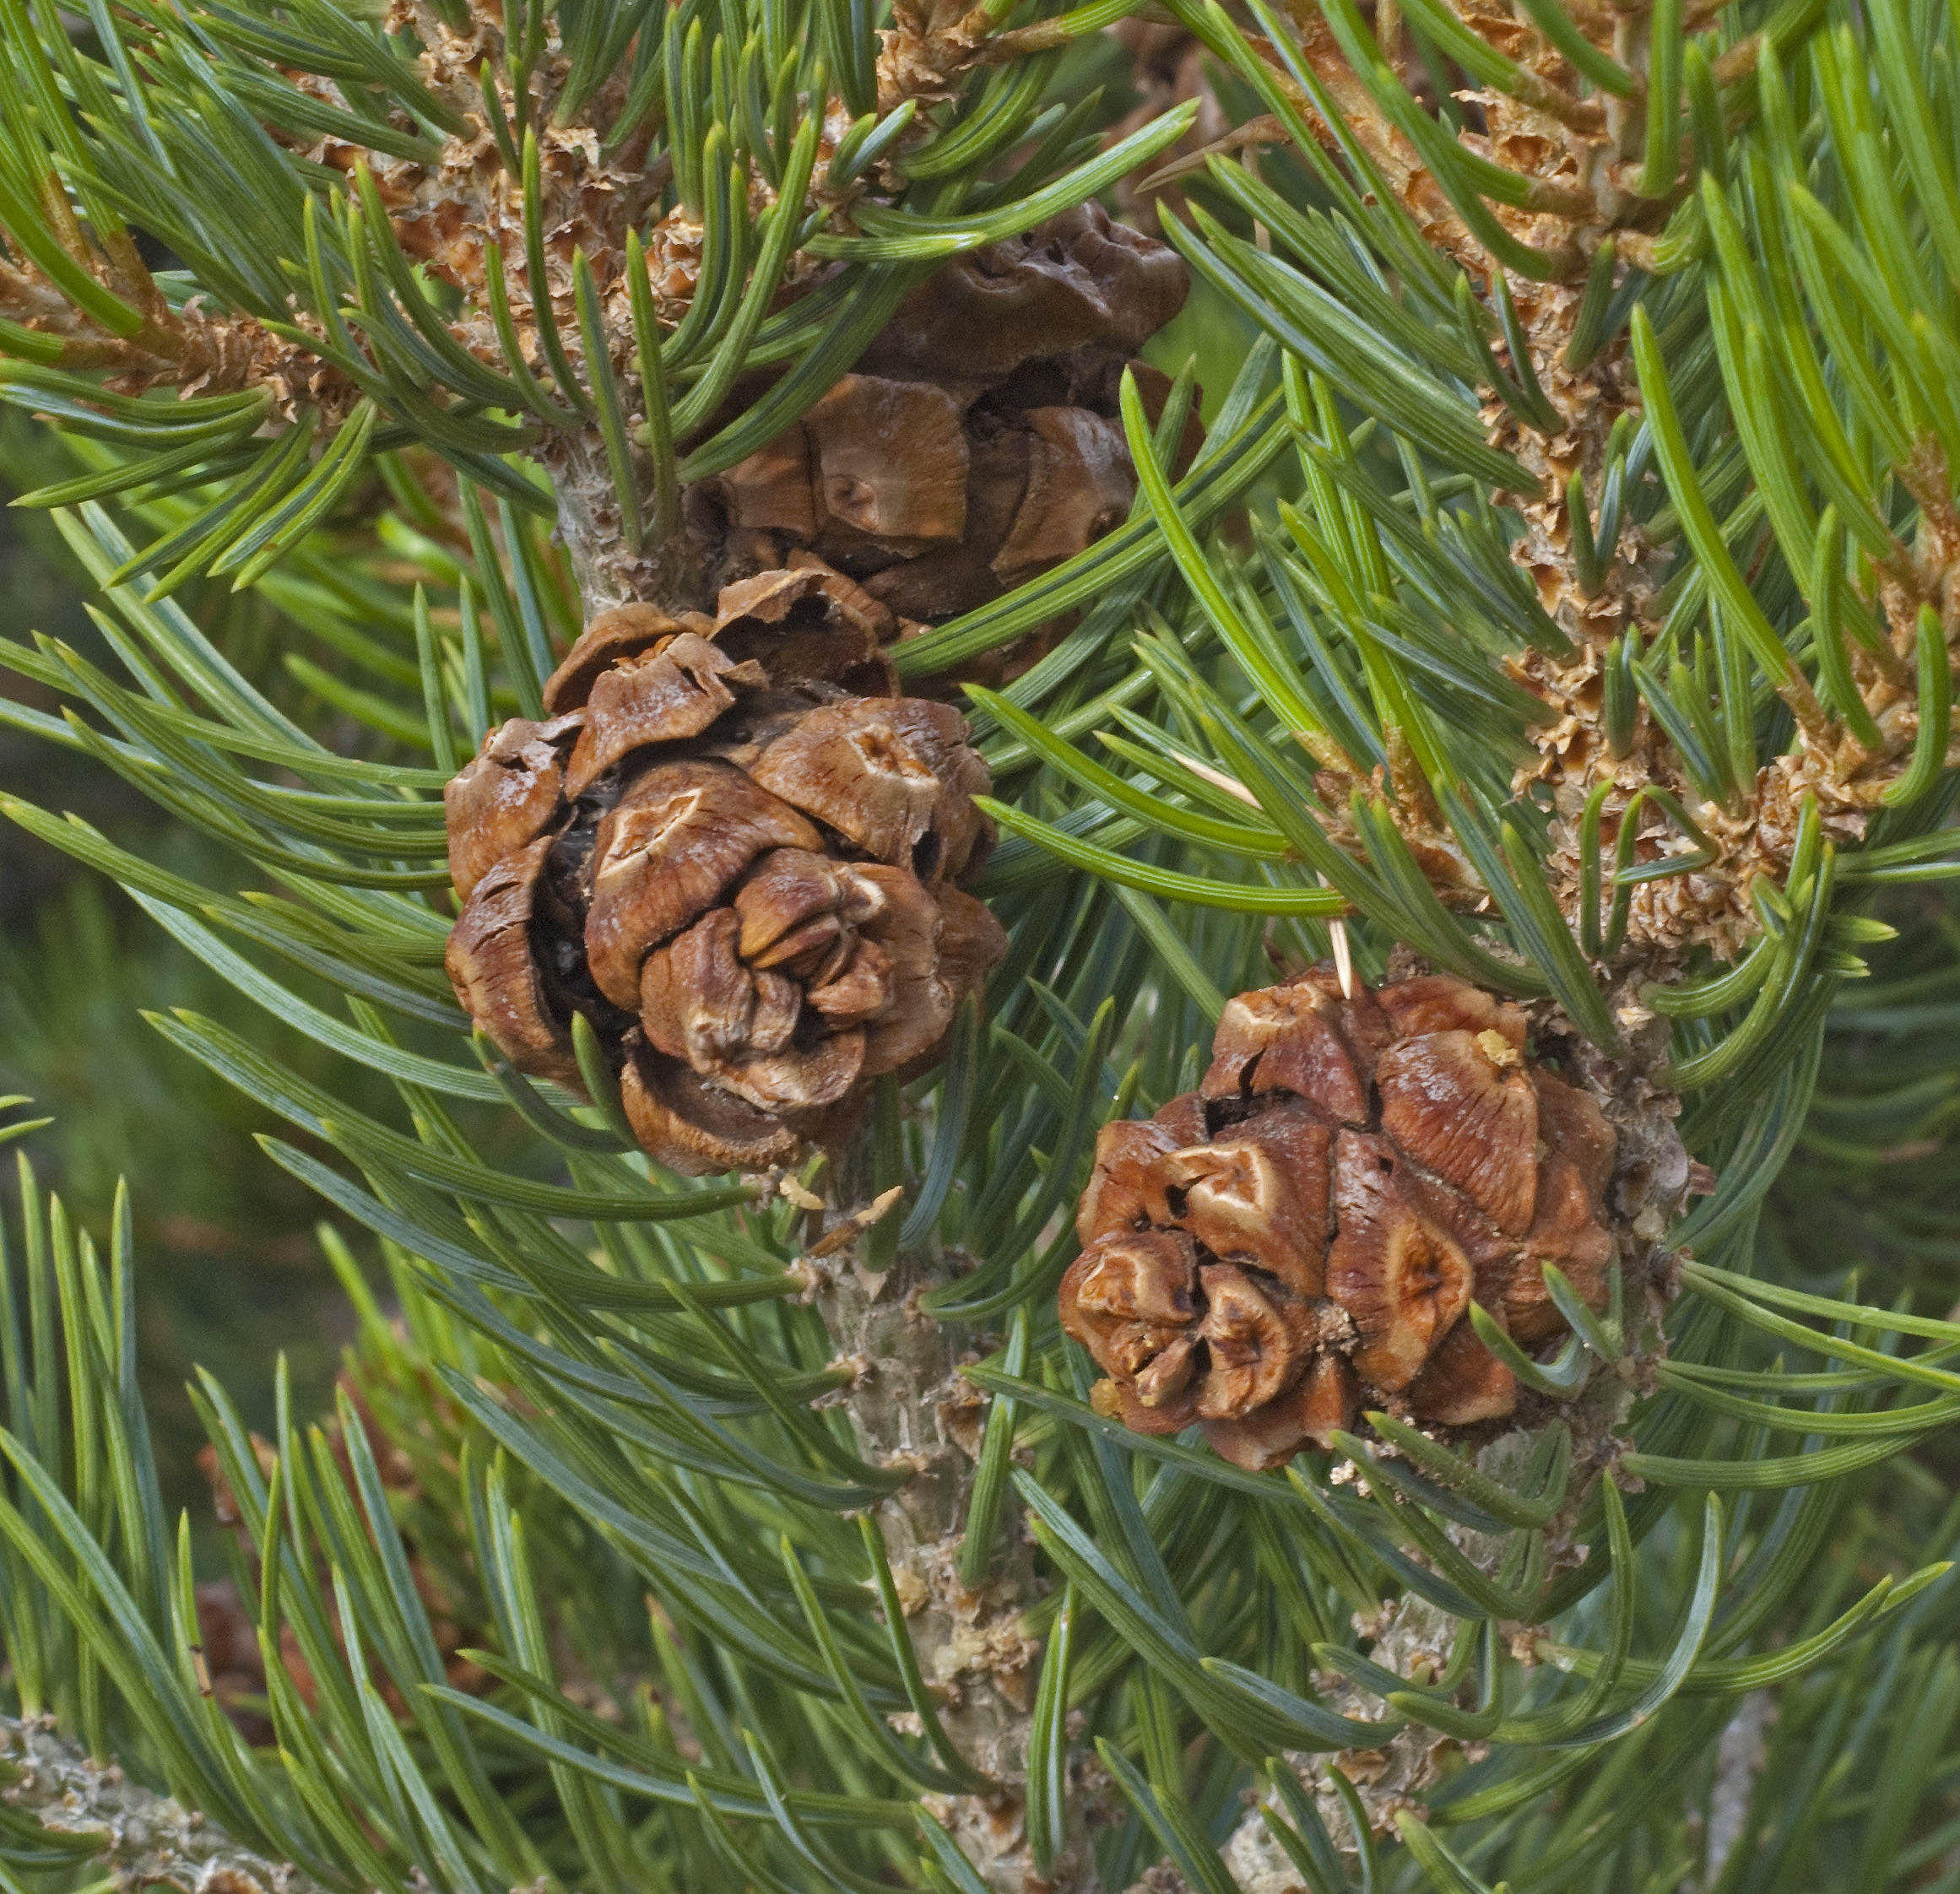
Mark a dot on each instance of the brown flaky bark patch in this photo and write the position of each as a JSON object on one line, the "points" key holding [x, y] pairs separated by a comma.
{"points": [[734, 849], [1308, 1230]]}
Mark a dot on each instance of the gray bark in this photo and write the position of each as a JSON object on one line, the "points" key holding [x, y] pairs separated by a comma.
{"points": [[145, 1840]]}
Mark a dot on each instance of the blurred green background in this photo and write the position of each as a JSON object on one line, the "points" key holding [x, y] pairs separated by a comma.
{"points": [[230, 1272]]}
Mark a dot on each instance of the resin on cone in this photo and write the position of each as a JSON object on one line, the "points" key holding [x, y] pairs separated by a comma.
{"points": [[1304, 1234]]}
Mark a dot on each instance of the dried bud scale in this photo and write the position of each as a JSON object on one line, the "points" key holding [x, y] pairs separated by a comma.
{"points": [[1304, 1234], [733, 848]]}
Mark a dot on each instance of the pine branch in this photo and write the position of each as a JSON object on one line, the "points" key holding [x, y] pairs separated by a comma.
{"points": [[560, 243], [1551, 258], [909, 1408], [512, 254], [141, 1838]]}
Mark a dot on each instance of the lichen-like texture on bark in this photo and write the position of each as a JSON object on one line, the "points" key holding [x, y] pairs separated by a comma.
{"points": [[141, 1838]]}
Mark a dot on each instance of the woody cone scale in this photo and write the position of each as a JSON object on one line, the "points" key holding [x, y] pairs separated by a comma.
{"points": [[1306, 1231]]}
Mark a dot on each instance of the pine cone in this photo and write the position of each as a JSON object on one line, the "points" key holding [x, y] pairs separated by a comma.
{"points": [[733, 847], [978, 443], [1311, 1225]]}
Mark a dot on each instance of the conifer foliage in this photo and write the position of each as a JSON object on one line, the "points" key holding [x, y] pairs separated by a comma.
{"points": [[1097, 1181]]}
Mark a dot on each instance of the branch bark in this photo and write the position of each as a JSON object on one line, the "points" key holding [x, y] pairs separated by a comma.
{"points": [[909, 1406], [146, 1840]]}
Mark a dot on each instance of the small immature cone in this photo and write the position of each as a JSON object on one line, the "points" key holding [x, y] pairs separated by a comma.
{"points": [[1308, 1230], [734, 848]]}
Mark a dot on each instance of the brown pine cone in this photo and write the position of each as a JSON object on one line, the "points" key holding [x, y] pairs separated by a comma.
{"points": [[734, 848], [1309, 1226], [977, 442]]}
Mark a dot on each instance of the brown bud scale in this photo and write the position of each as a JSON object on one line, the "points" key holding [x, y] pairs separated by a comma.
{"points": [[735, 849], [1305, 1233]]}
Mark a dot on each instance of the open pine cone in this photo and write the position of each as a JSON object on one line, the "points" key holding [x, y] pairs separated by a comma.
{"points": [[733, 847], [1310, 1225], [977, 444]]}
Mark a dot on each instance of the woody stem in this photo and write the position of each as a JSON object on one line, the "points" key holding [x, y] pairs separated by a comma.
{"points": [[904, 1405]]}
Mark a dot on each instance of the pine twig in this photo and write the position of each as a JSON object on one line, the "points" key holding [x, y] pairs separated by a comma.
{"points": [[146, 1839], [906, 1407]]}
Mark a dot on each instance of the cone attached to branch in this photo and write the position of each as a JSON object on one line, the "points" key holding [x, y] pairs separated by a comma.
{"points": [[734, 849], [1308, 1228], [978, 443]]}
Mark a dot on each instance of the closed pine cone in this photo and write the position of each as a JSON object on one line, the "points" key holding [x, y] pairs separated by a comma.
{"points": [[733, 847], [1309, 1227]]}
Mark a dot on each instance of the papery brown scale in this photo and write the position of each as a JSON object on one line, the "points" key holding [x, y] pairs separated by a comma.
{"points": [[674, 690], [1462, 1381], [507, 796], [1131, 1276], [1080, 485], [1441, 1003], [1261, 1197], [1317, 1394], [862, 986], [1078, 281], [793, 907], [1574, 1125], [893, 777], [1161, 1383], [792, 1081], [1400, 1277], [890, 467], [1254, 1356], [972, 941], [490, 963], [696, 998], [1259, 1440], [701, 1001], [695, 1127], [808, 625], [1451, 1108], [1170, 1414], [1133, 1349], [1127, 1184], [664, 853], [1326, 1399], [1287, 1039], [947, 580], [1566, 1231], [773, 492], [623, 632], [905, 922]]}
